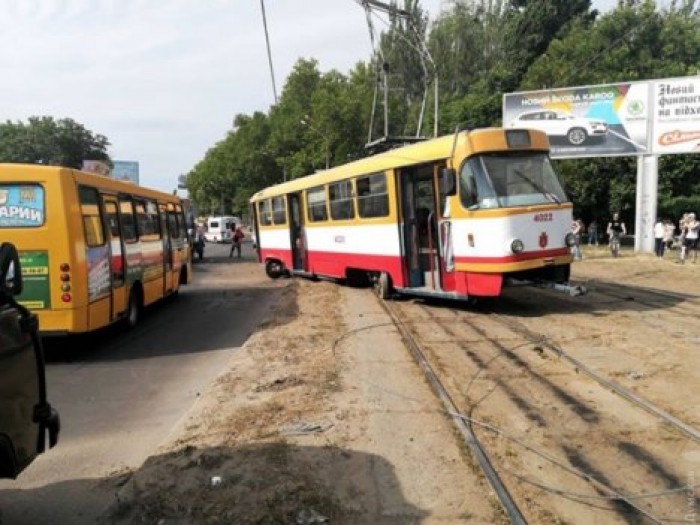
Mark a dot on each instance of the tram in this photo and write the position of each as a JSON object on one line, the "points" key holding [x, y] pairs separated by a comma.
{"points": [[460, 216]]}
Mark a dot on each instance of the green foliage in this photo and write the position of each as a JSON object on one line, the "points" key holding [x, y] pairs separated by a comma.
{"points": [[43, 140], [481, 49]]}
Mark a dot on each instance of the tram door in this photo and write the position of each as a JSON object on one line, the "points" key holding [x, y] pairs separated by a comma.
{"points": [[297, 232], [420, 227]]}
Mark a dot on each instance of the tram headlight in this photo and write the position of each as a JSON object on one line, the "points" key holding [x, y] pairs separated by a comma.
{"points": [[570, 239], [517, 246]]}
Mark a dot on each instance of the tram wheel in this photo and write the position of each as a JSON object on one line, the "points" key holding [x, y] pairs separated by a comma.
{"points": [[383, 286], [274, 269]]}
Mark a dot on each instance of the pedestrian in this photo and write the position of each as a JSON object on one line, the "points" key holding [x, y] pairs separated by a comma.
{"points": [[199, 242], [616, 229], [669, 233], [659, 232], [681, 239], [593, 233], [236, 241], [692, 236], [576, 229]]}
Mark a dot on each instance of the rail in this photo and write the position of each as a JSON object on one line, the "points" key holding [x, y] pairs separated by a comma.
{"points": [[464, 426]]}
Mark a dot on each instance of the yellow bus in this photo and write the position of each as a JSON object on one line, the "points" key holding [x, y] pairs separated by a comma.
{"points": [[93, 250]]}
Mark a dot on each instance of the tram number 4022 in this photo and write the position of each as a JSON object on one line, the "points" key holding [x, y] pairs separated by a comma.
{"points": [[543, 217]]}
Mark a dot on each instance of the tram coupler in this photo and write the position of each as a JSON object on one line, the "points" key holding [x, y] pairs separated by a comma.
{"points": [[573, 290]]}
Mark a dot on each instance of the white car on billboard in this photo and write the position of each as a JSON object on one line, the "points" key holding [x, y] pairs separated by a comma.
{"points": [[577, 130]]}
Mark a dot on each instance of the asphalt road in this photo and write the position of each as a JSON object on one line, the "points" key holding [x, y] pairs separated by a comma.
{"points": [[121, 393]]}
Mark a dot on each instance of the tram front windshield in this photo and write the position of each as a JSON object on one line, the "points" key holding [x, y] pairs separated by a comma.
{"points": [[504, 180]]}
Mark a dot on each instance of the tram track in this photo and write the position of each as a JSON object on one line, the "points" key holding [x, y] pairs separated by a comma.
{"points": [[578, 365], [534, 392], [683, 305], [463, 425]]}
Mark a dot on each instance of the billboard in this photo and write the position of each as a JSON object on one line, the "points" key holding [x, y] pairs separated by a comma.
{"points": [[126, 170], [96, 166], [603, 120], [676, 127]]}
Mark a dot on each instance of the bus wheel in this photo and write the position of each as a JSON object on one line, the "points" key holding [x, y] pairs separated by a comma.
{"points": [[274, 269], [133, 313], [383, 286]]}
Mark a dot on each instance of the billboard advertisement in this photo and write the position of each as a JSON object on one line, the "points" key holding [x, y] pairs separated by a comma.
{"points": [[604, 120], [95, 166], [126, 170], [676, 127]]}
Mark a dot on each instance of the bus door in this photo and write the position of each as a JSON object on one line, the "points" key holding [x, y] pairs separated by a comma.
{"points": [[116, 257], [297, 232], [166, 228], [420, 227], [181, 254]]}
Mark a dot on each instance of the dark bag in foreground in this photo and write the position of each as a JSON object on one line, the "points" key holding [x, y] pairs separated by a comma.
{"points": [[25, 414]]}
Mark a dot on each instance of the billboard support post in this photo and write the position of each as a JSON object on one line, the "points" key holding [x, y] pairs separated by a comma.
{"points": [[646, 202]]}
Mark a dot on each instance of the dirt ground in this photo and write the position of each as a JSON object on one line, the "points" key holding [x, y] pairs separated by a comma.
{"points": [[323, 417]]}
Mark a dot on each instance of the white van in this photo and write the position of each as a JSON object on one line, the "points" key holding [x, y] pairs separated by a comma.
{"points": [[219, 228]]}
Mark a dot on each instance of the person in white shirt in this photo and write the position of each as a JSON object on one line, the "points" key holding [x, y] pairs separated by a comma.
{"points": [[692, 235], [659, 231]]}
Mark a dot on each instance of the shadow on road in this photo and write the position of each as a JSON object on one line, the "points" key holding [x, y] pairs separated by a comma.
{"points": [[262, 483], [198, 319], [530, 301]]}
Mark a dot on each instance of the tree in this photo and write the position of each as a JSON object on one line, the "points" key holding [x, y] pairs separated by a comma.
{"points": [[633, 42], [43, 140]]}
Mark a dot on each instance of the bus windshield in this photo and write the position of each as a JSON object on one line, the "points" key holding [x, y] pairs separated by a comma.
{"points": [[503, 180]]}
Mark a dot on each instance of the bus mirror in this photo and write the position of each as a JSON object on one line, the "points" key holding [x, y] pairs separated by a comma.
{"points": [[10, 271], [448, 182]]}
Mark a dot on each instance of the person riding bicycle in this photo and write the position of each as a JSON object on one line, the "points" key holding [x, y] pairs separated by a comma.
{"points": [[616, 229]]}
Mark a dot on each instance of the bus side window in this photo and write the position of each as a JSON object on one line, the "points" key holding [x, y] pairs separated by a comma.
{"points": [[180, 219], [153, 220], [146, 225], [173, 225], [127, 216], [92, 220]]}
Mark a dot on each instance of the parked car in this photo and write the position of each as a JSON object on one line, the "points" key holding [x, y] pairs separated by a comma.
{"points": [[577, 130], [25, 414]]}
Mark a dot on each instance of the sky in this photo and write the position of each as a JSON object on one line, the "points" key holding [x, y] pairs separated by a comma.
{"points": [[163, 80]]}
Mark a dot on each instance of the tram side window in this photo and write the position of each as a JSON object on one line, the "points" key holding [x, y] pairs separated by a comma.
{"points": [[341, 200], [265, 212], [279, 212], [92, 220], [316, 204], [372, 197], [128, 224]]}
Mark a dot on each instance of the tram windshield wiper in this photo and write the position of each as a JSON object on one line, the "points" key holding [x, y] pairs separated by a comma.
{"points": [[547, 195]]}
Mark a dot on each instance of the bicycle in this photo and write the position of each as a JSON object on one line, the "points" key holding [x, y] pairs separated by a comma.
{"points": [[615, 245]]}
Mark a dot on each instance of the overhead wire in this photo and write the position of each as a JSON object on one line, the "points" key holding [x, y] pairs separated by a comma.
{"points": [[269, 51]]}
